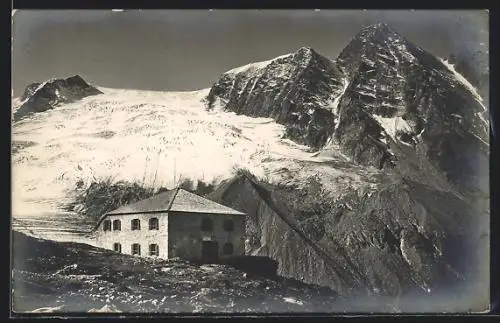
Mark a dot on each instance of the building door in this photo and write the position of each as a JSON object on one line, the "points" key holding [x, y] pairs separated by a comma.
{"points": [[209, 251]]}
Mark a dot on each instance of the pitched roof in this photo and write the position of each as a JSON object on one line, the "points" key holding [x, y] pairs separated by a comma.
{"points": [[185, 201], [156, 203], [175, 200]]}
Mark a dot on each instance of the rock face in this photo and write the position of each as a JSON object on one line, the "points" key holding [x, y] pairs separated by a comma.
{"points": [[388, 104], [400, 94], [39, 97], [297, 90], [404, 237], [381, 97], [30, 89]]}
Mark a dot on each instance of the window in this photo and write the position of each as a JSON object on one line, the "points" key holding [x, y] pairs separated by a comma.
{"points": [[117, 225], [227, 249], [117, 247], [206, 224], [136, 249], [153, 224], [228, 225], [106, 225], [135, 224], [154, 250]]}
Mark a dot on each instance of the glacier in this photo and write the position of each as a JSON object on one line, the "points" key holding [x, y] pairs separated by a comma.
{"points": [[157, 139]]}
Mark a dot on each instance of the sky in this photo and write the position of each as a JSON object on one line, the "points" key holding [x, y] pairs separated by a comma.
{"points": [[176, 50]]}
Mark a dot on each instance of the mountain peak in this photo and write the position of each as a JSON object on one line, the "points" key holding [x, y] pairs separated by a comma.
{"points": [[305, 49], [305, 55], [376, 42], [39, 97], [378, 32], [378, 26]]}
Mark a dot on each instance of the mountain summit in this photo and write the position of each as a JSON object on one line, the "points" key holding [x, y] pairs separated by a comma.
{"points": [[39, 97], [380, 97], [298, 90], [390, 107]]}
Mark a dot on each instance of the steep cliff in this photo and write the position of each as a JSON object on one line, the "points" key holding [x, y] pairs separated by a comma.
{"points": [[297, 90], [399, 94]]}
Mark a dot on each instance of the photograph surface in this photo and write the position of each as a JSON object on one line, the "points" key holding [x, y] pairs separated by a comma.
{"points": [[250, 161]]}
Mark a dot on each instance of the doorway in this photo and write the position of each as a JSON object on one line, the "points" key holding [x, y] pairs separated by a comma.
{"points": [[209, 251]]}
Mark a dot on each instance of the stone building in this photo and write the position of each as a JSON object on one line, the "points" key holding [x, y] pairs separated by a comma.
{"points": [[171, 224]]}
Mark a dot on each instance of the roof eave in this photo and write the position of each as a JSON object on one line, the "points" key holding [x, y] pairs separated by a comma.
{"points": [[212, 213]]}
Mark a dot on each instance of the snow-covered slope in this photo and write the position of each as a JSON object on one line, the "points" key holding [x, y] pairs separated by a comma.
{"points": [[154, 138]]}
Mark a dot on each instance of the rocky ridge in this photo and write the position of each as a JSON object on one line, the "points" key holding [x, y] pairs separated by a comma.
{"points": [[39, 97], [380, 96]]}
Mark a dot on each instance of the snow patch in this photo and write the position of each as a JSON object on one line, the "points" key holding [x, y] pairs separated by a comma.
{"points": [[405, 143], [292, 300], [108, 308], [368, 62], [383, 56], [393, 125], [464, 81], [461, 79], [482, 118], [335, 104], [401, 47], [255, 66], [480, 139], [49, 309], [367, 94]]}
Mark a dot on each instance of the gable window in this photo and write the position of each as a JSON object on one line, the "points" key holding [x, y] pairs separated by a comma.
{"points": [[206, 224], [106, 225], [117, 225], [154, 250], [228, 225], [136, 249], [153, 224], [228, 248], [135, 224], [117, 247]]}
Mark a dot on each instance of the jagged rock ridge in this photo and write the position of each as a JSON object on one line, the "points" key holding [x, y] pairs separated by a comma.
{"points": [[417, 101], [39, 97], [297, 90], [381, 92]]}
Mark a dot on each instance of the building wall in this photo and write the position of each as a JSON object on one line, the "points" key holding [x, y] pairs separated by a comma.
{"points": [[126, 237], [186, 236]]}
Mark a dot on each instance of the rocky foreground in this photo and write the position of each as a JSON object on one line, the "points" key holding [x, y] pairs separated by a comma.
{"points": [[51, 276]]}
